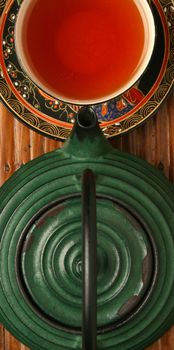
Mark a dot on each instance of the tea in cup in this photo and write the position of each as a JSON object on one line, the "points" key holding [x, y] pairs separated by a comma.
{"points": [[84, 52]]}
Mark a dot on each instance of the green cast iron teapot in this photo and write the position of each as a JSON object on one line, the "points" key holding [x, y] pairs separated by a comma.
{"points": [[87, 247]]}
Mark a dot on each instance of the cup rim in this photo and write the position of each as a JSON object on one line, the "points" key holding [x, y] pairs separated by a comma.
{"points": [[150, 34]]}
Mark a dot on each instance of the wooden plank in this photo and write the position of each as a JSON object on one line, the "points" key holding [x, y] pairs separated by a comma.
{"points": [[11, 343], [167, 341], [156, 346], [2, 337], [6, 144], [21, 152], [51, 145]]}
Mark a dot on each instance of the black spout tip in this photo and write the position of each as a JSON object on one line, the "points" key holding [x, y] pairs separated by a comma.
{"points": [[87, 139], [86, 117]]}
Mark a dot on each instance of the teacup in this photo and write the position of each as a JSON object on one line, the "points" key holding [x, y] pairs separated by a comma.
{"points": [[84, 52]]}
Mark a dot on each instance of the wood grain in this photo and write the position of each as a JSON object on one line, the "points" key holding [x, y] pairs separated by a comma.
{"points": [[154, 141]]}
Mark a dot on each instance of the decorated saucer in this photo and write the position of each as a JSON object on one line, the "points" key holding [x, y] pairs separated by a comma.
{"points": [[53, 118]]}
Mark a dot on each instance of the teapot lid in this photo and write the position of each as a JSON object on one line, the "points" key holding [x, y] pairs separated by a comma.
{"points": [[49, 264]]}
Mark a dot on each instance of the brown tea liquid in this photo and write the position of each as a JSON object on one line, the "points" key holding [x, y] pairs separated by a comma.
{"points": [[83, 49]]}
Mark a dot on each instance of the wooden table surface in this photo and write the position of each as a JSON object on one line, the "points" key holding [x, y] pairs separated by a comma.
{"points": [[154, 141]]}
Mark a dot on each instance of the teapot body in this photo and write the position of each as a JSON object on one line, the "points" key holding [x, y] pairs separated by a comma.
{"points": [[41, 248]]}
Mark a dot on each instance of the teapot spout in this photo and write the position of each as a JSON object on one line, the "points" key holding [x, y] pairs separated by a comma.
{"points": [[86, 139]]}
